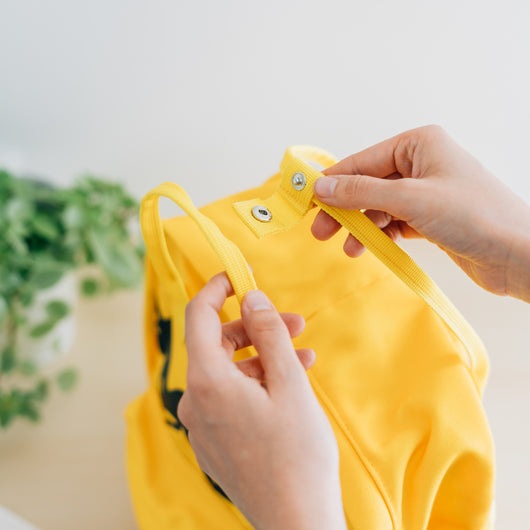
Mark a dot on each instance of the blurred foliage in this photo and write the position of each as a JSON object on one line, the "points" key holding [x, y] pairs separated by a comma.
{"points": [[47, 232]]}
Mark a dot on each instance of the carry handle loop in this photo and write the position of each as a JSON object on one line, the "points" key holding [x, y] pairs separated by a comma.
{"points": [[231, 257]]}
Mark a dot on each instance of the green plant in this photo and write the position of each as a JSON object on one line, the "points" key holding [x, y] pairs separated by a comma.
{"points": [[45, 233]]}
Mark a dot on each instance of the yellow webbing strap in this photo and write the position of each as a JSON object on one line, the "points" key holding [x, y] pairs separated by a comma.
{"points": [[233, 261], [288, 205]]}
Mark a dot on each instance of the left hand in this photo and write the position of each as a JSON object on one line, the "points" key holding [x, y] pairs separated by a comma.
{"points": [[256, 427]]}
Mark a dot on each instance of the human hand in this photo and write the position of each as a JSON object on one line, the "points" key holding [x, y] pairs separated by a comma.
{"points": [[260, 433], [428, 186]]}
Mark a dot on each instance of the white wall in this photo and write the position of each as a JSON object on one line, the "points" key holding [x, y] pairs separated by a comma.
{"points": [[210, 93]]}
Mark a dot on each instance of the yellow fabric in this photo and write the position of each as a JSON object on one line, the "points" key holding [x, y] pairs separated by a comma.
{"points": [[399, 372]]}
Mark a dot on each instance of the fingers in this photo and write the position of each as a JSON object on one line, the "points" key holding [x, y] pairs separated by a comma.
{"points": [[261, 325], [353, 247], [356, 192], [374, 178], [235, 336], [203, 327], [393, 228], [377, 160], [252, 367], [324, 226], [380, 160], [270, 337]]}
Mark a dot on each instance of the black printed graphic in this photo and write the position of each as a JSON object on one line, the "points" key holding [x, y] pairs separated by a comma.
{"points": [[171, 398]]}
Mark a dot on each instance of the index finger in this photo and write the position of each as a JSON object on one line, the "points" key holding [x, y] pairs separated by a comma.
{"points": [[378, 160], [203, 325]]}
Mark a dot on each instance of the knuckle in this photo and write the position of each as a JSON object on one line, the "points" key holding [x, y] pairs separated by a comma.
{"points": [[232, 339], [353, 187], [414, 141], [393, 231], [268, 321], [291, 375], [381, 218], [434, 131]]}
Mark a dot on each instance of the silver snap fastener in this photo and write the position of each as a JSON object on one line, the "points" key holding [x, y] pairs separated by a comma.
{"points": [[261, 214], [298, 181]]}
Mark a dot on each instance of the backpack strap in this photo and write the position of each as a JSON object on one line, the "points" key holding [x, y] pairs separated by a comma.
{"points": [[155, 240], [294, 198]]}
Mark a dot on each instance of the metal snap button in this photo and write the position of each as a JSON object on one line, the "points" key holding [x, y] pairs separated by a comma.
{"points": [[298, 181], [261, 213]]}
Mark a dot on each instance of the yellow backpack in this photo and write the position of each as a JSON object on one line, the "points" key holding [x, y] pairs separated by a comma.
{"points": [[399, 372]]}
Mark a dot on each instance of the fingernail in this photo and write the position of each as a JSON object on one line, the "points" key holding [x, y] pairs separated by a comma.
{"points": [[257, 301], [325, 186]]}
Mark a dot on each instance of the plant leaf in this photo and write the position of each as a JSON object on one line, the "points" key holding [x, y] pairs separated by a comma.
{"points": [[119, 261], [6, 417], [7, 409], [10, 404], [18, 209], [40, 392], [8, 359], [27, 295], [57, 310], [67, 379], [47, 274], [29, 409], [3, 309], [73, 217], [42, 329], [27, 367], [44, 226], [90, 287]]}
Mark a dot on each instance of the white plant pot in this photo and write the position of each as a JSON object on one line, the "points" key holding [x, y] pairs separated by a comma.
{"points": [[49, 348]]}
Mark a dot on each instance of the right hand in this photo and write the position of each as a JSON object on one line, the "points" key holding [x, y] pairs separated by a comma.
{"points": [[259, 432], [428, 186]]}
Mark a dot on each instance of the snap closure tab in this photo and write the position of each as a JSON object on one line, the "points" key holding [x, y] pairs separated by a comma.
{"points": [[261, 213], [298, 181]]}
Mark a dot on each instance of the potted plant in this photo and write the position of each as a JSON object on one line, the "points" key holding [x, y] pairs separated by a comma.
{"points": [[54, 243]]}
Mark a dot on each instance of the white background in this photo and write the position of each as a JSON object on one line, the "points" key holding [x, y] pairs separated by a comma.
{"points": [[209, 94]]}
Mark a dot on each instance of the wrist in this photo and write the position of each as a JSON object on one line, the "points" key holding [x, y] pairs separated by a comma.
{"points": [[314, 518], [518, 268], [508, 226], [307, 511]]}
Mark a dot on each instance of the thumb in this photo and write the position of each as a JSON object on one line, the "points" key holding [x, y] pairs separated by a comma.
{"points": [[355, 192], [270, 336]]}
